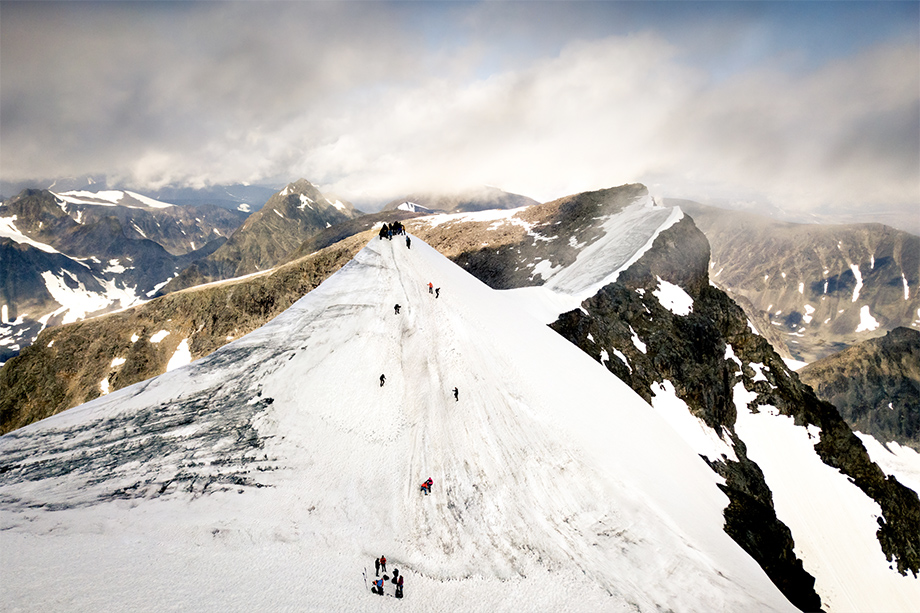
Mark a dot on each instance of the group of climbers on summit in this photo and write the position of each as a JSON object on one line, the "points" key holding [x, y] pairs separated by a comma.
{"points": [[394, 229]]}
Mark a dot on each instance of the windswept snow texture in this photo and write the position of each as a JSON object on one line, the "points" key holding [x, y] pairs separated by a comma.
{"points": [[673, 298], [270, 474]]}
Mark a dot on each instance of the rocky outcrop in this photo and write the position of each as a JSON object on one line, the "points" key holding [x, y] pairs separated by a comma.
{"points": [[875, 385]]}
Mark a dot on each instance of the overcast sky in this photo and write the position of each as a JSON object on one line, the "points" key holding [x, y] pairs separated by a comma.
{"points": [[802, 105]]}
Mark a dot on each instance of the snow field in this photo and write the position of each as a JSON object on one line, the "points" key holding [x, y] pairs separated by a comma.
{"points": [[556, 486], [832, 522]]}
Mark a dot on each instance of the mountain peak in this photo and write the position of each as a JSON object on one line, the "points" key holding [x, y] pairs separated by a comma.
{"points": [[300, 186]]}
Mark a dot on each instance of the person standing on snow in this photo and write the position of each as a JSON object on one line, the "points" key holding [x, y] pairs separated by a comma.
{"points": [[382, 380], [377, 567], [408, 242], [399, 587], [396, 309], [437, 292], [430, 288], [456, 394], [383, 563]]}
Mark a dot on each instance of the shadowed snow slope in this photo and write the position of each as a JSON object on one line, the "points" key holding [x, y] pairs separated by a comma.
{"points": [[270, 474]]}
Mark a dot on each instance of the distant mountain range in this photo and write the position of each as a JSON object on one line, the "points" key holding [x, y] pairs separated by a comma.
{"points": [[72, 255], [238, 196], [287, 219], [821, 287], [462, 201]]}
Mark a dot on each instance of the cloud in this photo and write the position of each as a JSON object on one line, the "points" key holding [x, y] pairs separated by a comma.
{"points": [[625, 109], [373, 100]]}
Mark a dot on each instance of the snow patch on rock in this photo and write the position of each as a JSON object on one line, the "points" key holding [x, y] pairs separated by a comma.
{"points": [[867, 323], [673, 298]]}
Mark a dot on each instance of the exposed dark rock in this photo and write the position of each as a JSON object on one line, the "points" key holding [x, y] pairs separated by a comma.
{"points": [[875, 385]]}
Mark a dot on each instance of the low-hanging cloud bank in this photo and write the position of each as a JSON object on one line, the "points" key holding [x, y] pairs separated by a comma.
{"points": [[357, 99]]}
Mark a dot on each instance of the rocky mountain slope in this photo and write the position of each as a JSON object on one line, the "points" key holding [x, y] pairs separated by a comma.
{"points": [[875, 385], [289, 217], [65, 258], [823, 287], [178, 229], [462, 201]]}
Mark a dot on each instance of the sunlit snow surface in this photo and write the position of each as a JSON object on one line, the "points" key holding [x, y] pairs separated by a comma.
{"points": [[832, 522], [270, 474], [894, 459]]}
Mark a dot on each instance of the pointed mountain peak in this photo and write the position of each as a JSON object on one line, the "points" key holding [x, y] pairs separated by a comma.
{"points": [[300, 186]]}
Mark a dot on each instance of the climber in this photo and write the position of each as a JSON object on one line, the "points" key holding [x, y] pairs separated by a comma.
{"points": [[426, 486], [382, 380]]}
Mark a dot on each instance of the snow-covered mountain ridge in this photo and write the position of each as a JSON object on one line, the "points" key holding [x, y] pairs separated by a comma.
{"points": [[686, 347], [67, 258], [555, 485], [690, 351]]}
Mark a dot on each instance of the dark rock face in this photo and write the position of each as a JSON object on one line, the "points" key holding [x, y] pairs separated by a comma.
{"points": [[875, 385], [690, 352]]}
